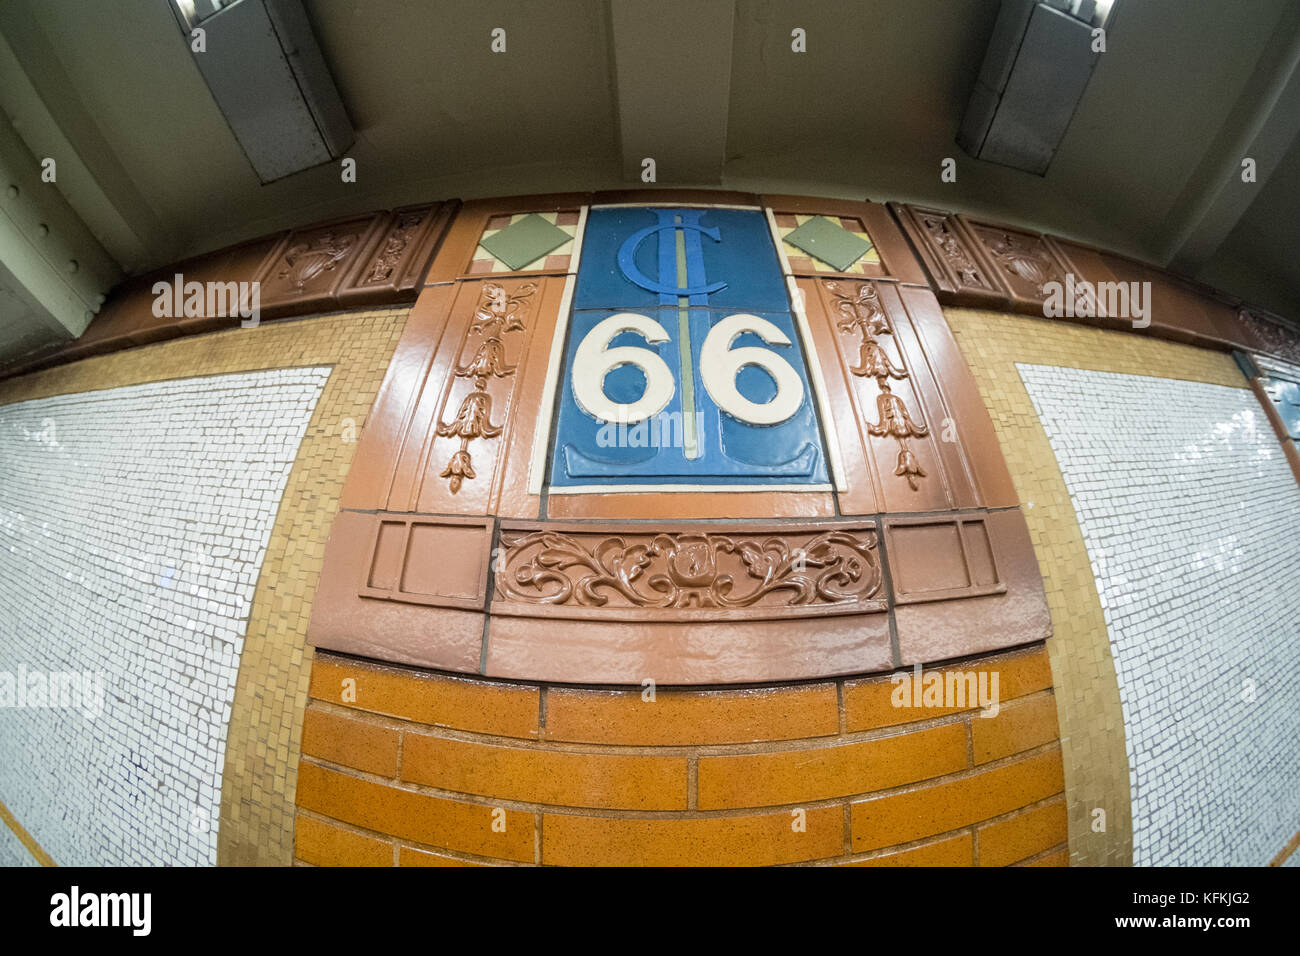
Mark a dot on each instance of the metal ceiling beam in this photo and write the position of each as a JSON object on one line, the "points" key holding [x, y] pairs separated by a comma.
{"points": [[54, 272], [672, 65], [1262, 127], [53, 121]]}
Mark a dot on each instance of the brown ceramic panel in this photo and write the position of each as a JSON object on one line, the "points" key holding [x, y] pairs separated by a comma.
{"points": [[1021, 260], [451, 459], [370, 479], [1262, 332], [870, 332], [396, 266], [1086, 263], [1176, 311], [457, 251], [975, 456], [308, 272], [449, 638], [704, 652], [622, 572], [845, 425], [959, 269], [896, 257], [409, 561], [947, 629], [630, 591], [1279, 426], [510, 495], [128, 319], [936, 559]]}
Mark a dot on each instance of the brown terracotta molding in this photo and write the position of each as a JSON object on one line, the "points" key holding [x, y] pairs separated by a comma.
{"points": [[1257, 372], [983, 264], [373, 259], [619, 602]]}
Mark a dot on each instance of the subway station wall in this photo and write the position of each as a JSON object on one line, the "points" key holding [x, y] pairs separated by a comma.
{"points": [[490, 710]]}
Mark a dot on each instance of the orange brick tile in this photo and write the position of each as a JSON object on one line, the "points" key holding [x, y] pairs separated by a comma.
{"points": [[435, 821], [900, 818], [869, 703], [1059, 858], [353, 743], [952, 851], [679, 718], [821, 773], [1024, 835], [324, 844], [713, 841], [611, 781], [487, 707], [1020, 725], [410, 856]]}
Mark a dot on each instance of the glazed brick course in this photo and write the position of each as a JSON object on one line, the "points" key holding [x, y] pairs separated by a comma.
{"points": [[582, 776]]}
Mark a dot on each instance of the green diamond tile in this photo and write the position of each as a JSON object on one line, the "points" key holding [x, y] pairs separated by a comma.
{"points": [[525, 241], [830, 242]]}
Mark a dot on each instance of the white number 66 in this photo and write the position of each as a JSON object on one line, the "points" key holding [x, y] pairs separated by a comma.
{"points": [[719, 366]]}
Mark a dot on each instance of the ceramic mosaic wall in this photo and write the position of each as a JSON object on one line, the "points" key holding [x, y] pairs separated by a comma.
{"points": [[1192, 528], [133, 524]]}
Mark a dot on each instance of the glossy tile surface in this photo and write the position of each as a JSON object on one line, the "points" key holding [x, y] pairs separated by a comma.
{"points": [[133, 525], [1191, 517]]}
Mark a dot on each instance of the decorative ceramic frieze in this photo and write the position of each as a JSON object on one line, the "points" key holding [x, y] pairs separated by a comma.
{"points": [[951, 255], [1271, 337], [690, 570], [313, 264], [1024, 261]]}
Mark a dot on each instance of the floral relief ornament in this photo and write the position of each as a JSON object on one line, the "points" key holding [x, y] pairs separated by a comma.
{"points": [[966, 270], [682, 570], [307, 260], [498, 312], [861, 313], [1031, 264]]}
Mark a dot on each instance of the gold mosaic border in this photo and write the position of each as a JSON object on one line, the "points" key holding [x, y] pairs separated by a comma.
{"points": [[1087, 690], [262, 744]]}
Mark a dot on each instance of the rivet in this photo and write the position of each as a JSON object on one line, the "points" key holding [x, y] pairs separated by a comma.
{"points": [[42, 230], [73, 265], [12, 192]]}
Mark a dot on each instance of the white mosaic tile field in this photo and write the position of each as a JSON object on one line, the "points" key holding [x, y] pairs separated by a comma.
{"points": [[1191, 518], [133, 524]]}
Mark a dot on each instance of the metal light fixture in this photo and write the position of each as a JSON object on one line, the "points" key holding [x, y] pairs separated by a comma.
{"points": [[265, 70], [1039, 61]]}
